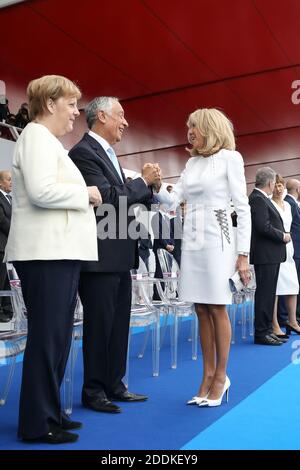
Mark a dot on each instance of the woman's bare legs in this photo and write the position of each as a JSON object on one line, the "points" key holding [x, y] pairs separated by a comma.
{"points": [[222, 329], [208, 345], [291, 305], [276, 327]]}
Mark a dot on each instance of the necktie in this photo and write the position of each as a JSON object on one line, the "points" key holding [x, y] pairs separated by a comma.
{"points": [[114, 160], [8, 197]]}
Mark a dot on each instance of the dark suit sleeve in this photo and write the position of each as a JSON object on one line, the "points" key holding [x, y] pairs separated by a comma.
{"points": [[261, 220], [135, 191], [4, 222], [295, 211]]}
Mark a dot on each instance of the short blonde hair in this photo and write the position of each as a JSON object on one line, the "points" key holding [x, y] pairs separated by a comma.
{"points": [[215, 128], [40, 90]]}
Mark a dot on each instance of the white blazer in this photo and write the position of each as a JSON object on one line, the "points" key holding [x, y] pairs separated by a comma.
{"points": [[51, 215], [208, 185]]}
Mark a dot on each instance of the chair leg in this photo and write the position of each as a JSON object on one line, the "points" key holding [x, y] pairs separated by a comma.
{"points": [[125, 379], [251, 315], [174, 340], [194, 336], [164, 326], [156, 345], [69, 378], [243, 308], [146, 337], [9, 368], [231, 313]]}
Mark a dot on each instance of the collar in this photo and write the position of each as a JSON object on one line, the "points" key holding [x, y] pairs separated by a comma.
{"points": [[100, 140], [4, 193], [293, 198], [269, 196]]}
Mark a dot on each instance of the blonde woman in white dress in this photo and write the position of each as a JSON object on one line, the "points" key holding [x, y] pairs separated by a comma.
{"points": [[287, 283], [214, 175]]}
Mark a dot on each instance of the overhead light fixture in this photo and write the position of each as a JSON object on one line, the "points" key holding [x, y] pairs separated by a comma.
{"points": [[6, 3]]}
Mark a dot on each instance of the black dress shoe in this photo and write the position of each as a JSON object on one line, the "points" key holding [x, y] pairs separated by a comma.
{"points": [[67, 424], [129, 396], [268, 341], [101, 404], [55, 435]]}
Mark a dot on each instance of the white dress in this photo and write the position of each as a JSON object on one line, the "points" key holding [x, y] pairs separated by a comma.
{"points": [[209, 248], [287, 283]]}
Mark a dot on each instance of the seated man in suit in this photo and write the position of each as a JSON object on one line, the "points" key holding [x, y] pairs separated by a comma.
{"points": [[5, 216], [164, 237], [105, 285], [267, 251], [144, 244]]}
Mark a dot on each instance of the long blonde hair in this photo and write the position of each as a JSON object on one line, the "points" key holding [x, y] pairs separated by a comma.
{"points": [[215, 128]]}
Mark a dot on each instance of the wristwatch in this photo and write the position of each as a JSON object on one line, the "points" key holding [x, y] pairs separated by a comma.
{"points": [[243, 253]]}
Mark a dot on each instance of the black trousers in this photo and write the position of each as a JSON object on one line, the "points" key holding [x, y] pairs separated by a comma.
{"points": [[106, 300], [49, 291], [266, 283]]}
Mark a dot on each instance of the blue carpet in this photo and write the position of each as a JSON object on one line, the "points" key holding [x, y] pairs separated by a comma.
{"points": [[260, 379]]}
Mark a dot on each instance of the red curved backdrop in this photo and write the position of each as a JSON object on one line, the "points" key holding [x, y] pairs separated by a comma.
{"points": [[163, 59]]}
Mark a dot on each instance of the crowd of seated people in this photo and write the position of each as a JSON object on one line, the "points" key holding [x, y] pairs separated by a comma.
{"points": [[18, 120]]}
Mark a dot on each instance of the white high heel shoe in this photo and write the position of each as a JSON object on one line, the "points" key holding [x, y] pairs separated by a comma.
{"points": [[196, 400], [218, 401]]}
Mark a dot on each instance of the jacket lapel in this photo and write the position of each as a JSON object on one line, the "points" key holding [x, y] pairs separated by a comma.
{"points": [[271, 205], [99, 150], [7, 205]]}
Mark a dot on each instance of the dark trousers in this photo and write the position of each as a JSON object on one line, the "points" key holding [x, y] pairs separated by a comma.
{"points": [[49, 291], [159, 274], [4, 284], [106, 300], [266, 283]]}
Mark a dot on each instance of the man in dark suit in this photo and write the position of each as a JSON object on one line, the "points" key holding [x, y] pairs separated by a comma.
{"points": [[292, 197], [267, 251], [105, 286], [5, 216]]}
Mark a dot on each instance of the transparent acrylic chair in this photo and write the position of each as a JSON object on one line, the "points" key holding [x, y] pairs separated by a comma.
{"points": [[162, 304], [249, 305], [243, 304], [144, 314], [68, 381], [238, 305], [177, 309], [12, 341]]}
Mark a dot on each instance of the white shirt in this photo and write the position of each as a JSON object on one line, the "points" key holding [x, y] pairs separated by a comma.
{"points": [[6, 194], [105, 146]]}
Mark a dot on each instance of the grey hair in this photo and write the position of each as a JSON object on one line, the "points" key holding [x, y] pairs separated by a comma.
{"points": [[264, 176], [101, 103]]}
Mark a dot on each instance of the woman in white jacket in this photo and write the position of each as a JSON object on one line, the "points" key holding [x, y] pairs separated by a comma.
{"points": [[52, 229], [214, 175]]}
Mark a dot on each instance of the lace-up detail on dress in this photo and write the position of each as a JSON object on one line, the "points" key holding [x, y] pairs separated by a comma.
{"points": [[221, 216]]}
